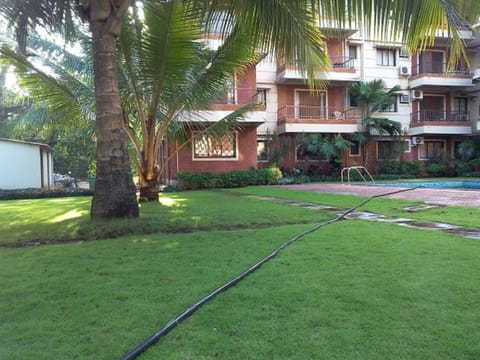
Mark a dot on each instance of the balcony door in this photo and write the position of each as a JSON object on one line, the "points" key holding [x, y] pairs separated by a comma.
{"points": [[432, 108], [460, 109], [431, 62], [310, 105]]}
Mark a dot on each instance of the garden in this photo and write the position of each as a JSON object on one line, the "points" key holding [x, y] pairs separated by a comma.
{"points": [[77, 289]]}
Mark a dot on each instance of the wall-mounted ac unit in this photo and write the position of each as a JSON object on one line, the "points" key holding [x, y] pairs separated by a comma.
{"points": [[416, 95], [476, 74], [417, 140], [404, 70]]}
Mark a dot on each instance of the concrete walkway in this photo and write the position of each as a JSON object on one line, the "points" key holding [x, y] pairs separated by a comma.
{"points": [[467, 198], [369, 216]]}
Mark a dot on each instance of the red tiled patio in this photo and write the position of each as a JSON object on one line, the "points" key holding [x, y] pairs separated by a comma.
{"points": [[468, 198]]}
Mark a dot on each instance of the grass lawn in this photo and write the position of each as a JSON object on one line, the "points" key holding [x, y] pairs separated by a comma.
{"points": [[353, 289]]}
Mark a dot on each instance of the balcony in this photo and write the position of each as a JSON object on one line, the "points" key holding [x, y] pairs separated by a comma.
{"points": [[343, 69], [440, 122], [232, 100], [317, 119], [432, 74]]}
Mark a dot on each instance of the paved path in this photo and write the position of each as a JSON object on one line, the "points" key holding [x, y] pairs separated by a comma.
{"points": [[468, 198]]}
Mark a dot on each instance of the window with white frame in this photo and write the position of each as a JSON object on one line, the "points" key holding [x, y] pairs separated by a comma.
{"points": [[392, 108], [262, 150], [211, 147], [354, 148], [386, 57]]}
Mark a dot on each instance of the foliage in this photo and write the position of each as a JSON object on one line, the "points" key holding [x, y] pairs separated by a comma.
{"points": [[238, 178], [435, 169], [35, 193], [394, 167]]}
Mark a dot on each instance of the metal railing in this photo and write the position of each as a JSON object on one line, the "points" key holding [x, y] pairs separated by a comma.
{"points": [[437, 67], [241, 96], [429, 115], [319, 113]]}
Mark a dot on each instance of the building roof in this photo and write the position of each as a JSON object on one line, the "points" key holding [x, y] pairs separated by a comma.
{"points": [[44, 146]]}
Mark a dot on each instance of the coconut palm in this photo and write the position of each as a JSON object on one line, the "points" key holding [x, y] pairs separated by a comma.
{"points": [[167, 76], [285, 28]]}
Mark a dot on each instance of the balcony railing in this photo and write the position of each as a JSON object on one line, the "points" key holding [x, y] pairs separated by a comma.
{"points": [[421, 117], [440, 68], [241, 96], [342, 62], [299, 113]]}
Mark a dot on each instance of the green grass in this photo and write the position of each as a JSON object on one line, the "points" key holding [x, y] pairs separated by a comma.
{"points": [[353, 289], [67, 219], [456, 215]]}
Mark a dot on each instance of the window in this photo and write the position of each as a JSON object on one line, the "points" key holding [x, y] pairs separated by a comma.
{"points": [[261, 96], [431, 150], [404, 99], [352, 99], [354, 148], [352, 52], [391, 108], [209, 147], [403, 53], [391, 150], [262, 150], [385, 57]]}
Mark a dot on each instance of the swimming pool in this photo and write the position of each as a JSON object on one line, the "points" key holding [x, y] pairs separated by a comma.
{"points": [[460, 184]]}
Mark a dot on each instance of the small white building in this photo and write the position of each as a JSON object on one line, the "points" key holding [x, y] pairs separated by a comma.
{"points": [[25, 164]]}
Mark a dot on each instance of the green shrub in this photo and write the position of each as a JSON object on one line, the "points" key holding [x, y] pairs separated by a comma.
{"points": [[231, 179], [435, 169], [34, 193], [394, 167]]}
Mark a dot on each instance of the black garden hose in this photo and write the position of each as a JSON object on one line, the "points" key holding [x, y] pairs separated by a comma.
{"points": [[185, 314]]}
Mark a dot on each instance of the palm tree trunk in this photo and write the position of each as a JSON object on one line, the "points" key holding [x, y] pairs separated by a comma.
{"points": [[115, 195]]}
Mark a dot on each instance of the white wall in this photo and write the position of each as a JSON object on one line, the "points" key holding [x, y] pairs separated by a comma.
{"points": [[19, 165]]}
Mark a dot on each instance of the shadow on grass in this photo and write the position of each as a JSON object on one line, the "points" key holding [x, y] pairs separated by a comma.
{"points": [[52, 221]]}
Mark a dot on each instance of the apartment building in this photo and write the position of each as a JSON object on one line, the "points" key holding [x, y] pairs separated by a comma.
{"points": [[437, 109]]}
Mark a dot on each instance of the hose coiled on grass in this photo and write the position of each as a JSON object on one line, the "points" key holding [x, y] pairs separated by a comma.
{"points": [[189, 311]]}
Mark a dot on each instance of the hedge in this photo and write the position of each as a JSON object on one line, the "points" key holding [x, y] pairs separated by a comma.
{"points": [[231, 179], [34, 193]]}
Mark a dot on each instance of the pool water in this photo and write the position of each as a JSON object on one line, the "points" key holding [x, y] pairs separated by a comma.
{"points": [[461, 184]]}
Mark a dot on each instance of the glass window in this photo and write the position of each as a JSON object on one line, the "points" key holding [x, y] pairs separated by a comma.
{"points": [[386, 57], [391, 108], [352, 99], [354, 148], [209, 147], [431, 150], [352, 52], [262, 150]]}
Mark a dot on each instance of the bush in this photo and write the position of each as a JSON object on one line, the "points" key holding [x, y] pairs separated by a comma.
{"points": [[231, 179], [34, 193], [393, 167], [435, 169]]}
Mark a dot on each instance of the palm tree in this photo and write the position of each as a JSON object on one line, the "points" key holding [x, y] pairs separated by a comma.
{"points": [[285, 28], [372, 97], [167, 76]]}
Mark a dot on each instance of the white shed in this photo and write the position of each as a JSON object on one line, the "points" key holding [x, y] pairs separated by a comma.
{"points": [[25, 164]]}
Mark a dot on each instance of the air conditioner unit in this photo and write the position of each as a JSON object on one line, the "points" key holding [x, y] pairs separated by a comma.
{"points": [[404, 70], [416, 95], [417, 140]]}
